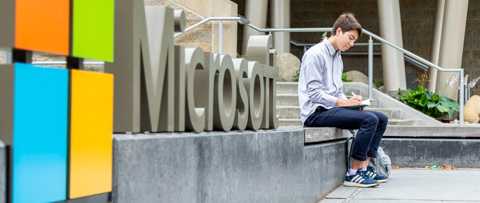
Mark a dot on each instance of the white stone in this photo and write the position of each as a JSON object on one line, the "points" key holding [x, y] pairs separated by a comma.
{"points": [[357, 76], [288, 65], [472, 109]]}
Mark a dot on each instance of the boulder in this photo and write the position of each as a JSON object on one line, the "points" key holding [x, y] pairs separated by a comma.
{"points": [[472, 109], [288, 65], [357, 76]]}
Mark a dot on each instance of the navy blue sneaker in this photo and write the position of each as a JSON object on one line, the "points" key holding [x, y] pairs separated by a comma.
{"points": [[359, 180], [373, 174]]}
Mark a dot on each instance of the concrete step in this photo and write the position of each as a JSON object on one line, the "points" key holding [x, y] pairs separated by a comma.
{"points": [[348, 91], [287, 100], [391, 113], [288, 112], [409, 122], [376, 103], [290, 122], [287, 87], [298, 122]]}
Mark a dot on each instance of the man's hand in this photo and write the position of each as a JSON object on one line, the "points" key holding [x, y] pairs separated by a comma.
{"points": [[355, 100]]}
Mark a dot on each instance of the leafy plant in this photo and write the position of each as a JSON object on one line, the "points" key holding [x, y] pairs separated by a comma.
{"points": [[428, 102], [295, 77], [377, 83], [344, 78]]}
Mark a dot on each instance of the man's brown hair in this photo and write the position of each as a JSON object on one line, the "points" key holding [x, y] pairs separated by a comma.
{"points": [[347, 22]]}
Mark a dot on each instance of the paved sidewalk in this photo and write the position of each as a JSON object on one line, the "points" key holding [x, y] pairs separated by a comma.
{"points": [[416, 186]]}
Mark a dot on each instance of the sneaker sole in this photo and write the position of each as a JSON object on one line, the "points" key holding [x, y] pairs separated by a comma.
{"points": [[352, 184], [382, 181]]}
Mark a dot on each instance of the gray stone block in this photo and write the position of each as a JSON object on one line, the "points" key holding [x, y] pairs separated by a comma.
{"points": [[410, 152], [322, 134], [263, 166], [446, 131], [324, 169]]}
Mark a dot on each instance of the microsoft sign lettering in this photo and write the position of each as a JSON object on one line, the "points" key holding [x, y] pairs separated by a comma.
{"points": [[162, 87]]}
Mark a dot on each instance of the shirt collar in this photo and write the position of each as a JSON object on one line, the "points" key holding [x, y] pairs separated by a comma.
{"points": [[329, 45]]}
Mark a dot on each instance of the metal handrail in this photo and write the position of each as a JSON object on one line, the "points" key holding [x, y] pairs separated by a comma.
{"points": [[407, 58], [244, 21]]}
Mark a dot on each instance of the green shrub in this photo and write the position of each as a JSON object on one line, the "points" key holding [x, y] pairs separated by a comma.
{"points": [[428, 102], [344, 78], [295, 78]]}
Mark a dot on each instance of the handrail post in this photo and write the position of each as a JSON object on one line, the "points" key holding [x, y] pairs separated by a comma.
{"points": [[220, 37], [462, 99], [370, 67]]}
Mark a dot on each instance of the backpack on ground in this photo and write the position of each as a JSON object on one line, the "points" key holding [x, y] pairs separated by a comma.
{"points": [[382, 163]]}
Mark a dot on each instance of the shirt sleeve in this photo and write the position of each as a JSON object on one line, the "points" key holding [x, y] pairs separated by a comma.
{"points": [[340, 93], [314, 68]]}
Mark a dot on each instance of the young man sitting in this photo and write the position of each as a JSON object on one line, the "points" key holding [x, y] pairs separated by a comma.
{"points": [[321, 97]]}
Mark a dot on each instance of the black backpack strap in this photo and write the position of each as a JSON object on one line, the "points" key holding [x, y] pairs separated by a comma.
{"points": [[348, 150]]}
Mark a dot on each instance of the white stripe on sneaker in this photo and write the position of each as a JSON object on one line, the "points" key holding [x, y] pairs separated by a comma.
{"points": [[371, 174], [358, 179], [354, 179]]}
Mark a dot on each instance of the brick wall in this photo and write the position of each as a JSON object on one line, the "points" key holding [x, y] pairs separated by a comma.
{"points": [[418, 20], [471, 49]]}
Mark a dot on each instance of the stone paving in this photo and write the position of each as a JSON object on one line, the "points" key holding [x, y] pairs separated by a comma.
{"points": [[416, 186]]}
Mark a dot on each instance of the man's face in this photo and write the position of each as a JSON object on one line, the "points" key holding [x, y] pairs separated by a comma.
{"points": [[346, 39]]}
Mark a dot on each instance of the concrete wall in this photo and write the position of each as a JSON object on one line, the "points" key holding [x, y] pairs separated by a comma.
{"points": [[411, 152], [264, 166]]}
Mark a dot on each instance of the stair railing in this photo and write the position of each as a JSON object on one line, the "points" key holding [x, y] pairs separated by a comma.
{"points": [[372, 36], [408, 59]]}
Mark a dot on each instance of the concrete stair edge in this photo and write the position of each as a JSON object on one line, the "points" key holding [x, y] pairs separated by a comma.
{"points": [[389, 102]]}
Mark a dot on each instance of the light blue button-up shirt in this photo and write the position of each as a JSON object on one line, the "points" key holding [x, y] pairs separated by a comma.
{"points": [[320, 78]]}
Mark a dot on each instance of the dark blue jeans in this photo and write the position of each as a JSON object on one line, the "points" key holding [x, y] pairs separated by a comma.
{"points": [[371, 127]]}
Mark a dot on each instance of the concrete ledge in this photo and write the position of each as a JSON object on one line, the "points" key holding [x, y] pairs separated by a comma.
{"points": [[390, 102], [470, 131], [264, 166], [416, 152], [323, 134]]}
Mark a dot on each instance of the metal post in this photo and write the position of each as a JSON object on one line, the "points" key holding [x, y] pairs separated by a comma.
{"points": [[467, 90], [462, 99], [370, 67], [220, 37]]}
